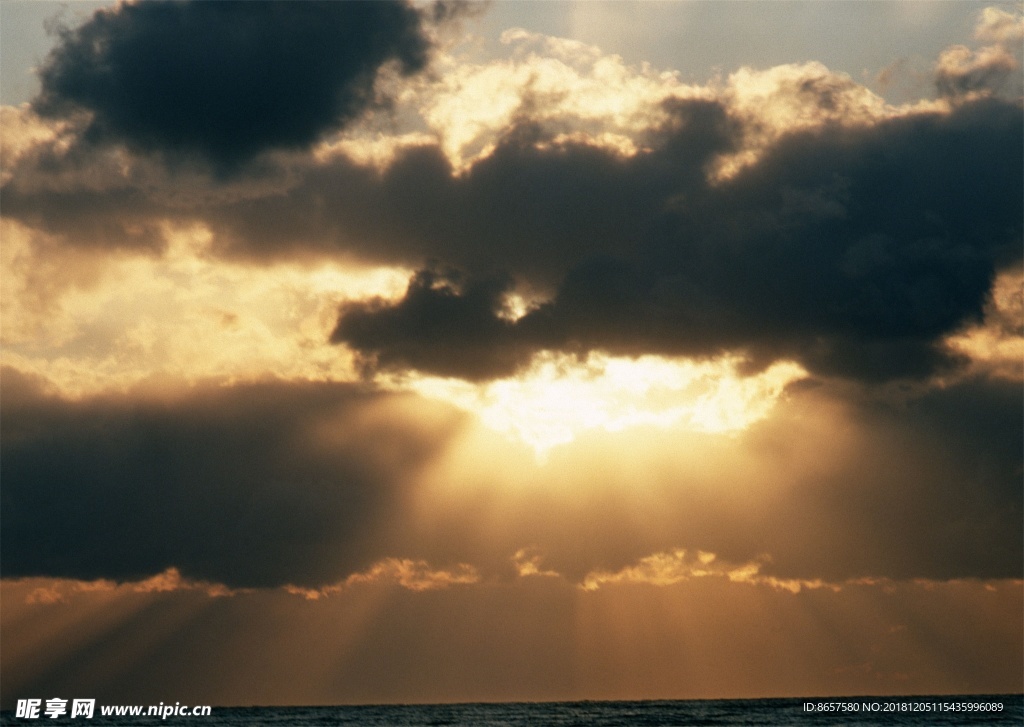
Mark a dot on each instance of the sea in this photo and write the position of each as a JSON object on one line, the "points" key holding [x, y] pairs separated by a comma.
{"points": [[871, 711]]}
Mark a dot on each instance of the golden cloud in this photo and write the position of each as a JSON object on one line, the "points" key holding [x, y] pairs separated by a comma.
{"points": [[677, 565]]}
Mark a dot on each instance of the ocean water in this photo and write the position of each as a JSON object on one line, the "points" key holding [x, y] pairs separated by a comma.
{"points": [[931, 711]]}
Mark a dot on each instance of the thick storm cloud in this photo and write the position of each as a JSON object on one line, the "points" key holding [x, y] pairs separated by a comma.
{"points": [[251, 485], [227, 80], [851, 249]]}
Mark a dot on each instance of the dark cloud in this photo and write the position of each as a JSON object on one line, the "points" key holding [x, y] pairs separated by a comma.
{"points": [[259, 484], [438, 328], [99, 219], [225, 81], [853, 250], [532, 208]]}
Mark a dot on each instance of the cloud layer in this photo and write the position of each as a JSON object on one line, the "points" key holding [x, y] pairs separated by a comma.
{"points": [[851, 250], [806, 222], [248, 486]]}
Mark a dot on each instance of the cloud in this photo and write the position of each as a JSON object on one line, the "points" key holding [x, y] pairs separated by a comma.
{"points": [[531, 208], [994, 68], [226, 81], [529, 562], [666, 569], [853, 250], [437, 328], [996, 25], [996, 346], [62, 590], [90, 324], [567, 87], [258, 484], [961, 71], [785, 214], [416, 575]]}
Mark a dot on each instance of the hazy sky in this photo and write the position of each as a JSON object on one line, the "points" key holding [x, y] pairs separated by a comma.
{"points": [[695, 39], [524, 351]]}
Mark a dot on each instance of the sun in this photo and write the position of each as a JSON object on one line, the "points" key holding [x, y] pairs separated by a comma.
{"points": [[559, 397]]}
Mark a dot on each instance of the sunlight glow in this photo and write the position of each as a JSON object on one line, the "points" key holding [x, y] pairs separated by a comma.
{"points": [[996, 345], [559, 397], [183, 316]]}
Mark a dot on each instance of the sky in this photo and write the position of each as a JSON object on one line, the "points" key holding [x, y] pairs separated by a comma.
{"points": [[441, 352]]}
